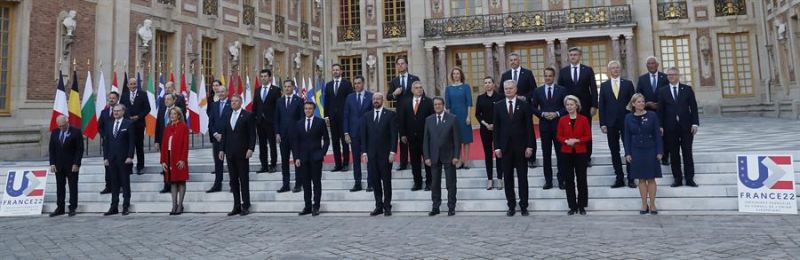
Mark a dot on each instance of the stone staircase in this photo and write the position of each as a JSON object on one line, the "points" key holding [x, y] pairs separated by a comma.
{"points": [[716, 175]]}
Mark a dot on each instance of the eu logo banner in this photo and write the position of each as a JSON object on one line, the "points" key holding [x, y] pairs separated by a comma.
{"points": [[24, 192], [766, 184]]}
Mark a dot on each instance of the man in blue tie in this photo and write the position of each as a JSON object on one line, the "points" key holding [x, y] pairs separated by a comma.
{"points": [[216, 111], [290, 110], [677, 111], [358, 103], [579, 80], [649, 85]]}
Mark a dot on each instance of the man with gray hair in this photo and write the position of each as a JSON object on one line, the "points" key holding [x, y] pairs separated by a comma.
{"points": [[677, 111], [514, 143], [649, 85], [526, 84], [66, 153], [615, 94]]}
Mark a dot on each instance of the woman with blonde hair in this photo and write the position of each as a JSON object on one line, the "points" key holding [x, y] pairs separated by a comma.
{"points": [[174, 155], [643, 150], [574, 133]]}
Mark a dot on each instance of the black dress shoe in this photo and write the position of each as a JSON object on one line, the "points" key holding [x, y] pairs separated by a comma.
{"points": [[345, 168], [631, 184], [524, 212], [451, 212], [234, 212], [532, 164], [125, 211], [676, 184], [272, 169], [433, 212], [214, 189], [262, 170], [402, 167], [572, 212], [356, 187], [314, 212], [416, 187], [387, 212], [645, 211], [618, 184], [111, 212], [297, 189], [561, 186], [165, 190], [139, 171], [654, 212], [305, 211], [57, 212], [284, 189], [589, 163], [511, 212], [547, 186], [71, 213], [691, 184], [244, 212], [427, 188], [369, 189], [582, 211], [337, 168], [665, 162], [105, 191], [376, 212]]}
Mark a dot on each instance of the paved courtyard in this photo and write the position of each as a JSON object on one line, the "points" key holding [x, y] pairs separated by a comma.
{"points": [[360, 237]]}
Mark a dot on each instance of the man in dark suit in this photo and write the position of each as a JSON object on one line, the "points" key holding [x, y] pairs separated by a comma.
{"points": [[237, 135], [400, 92], [412, 132], [118, 151], [289, 111], [615, 94], [677, 110], [379, 143], [336, 92], [266, 96], [137, 108], [66, 153], [161, 121], [548, 105], [216, 113], [441, 148], [104, 121], [169, 88], [579, 80], [513, 142], [310, 138], [649, 85], [526, 84], [358, 103]]}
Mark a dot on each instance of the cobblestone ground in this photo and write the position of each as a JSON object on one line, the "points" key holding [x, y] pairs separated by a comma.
{"points": [[405, 237]]}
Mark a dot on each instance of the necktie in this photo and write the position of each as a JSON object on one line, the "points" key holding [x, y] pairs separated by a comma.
{"points": [[263, 94], [510, 109], [335, 87], [416, 105], [403, 82], [516, 75], [166, 116], [63, 136], [377, 115], [615, 88], [675, 92], [653, 82], [358, 98], [288, 100], [221, 107], [575, 74], [549, 93], [439, 119], [133, 97], [234, 117], [308, 124], [116, 128]]}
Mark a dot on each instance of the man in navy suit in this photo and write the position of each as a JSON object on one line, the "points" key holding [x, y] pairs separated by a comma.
{"points": [[266, 96], [118, 151], [336, 92], [579, 80], [310, 138], [649, 85], [105, 119], [400, 92], [677, 110], [358, 103], [526, 84], [289, 111], [216, 112], [378, 146], [169, 88], [66, 153], [237, 135], [615, 94], [548, 106], [412, 132], [137, 108], [514, 143], [170, 101]]}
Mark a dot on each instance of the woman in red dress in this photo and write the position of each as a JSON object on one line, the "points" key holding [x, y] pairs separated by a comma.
{"points": [[574, 133], [174, 155]]}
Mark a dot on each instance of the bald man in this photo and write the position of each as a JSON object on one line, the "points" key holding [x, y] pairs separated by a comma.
{"points": [[66, 153], [137, 108]]}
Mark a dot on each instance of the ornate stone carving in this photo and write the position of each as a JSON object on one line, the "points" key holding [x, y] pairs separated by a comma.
{"points": [[233, 52]]}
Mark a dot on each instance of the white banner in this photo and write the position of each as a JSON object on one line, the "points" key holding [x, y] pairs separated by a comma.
{"points": [[766, 184], [24, 192]]}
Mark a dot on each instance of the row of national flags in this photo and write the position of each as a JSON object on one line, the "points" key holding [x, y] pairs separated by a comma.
{"points": [[83, 112]]}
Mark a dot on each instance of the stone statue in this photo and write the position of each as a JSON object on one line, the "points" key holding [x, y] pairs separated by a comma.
{"points": [[145, 32], [269, 55], [371, 60], [320, 62], [705, 50], [69, 22], [297, 61], [780, 29], [233, 50]]}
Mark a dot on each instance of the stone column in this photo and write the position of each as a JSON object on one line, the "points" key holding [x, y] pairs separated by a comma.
{"points": [[442, 70], [501, 57], [489, 59], [564, 51], [615, 47], [430, 67], [551, 53], [630, 57]]}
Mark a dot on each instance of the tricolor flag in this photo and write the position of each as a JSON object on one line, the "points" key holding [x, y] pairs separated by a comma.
{"points": [[248, 96], [294, 92], [88, 118], [115, 84], [222, 83], [194, 109], [161, 89], [231, 90], [203, 104], [150, 118], [74, 103], [240, 86], [100, 98], [60, 103], [124, 86], [184, 89]]}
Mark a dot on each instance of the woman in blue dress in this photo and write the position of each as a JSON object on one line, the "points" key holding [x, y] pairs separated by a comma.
{"points": [[458, 98], [643, 150]]}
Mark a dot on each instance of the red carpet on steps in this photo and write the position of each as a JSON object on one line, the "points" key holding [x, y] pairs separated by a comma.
{"points": [[475, 149]]}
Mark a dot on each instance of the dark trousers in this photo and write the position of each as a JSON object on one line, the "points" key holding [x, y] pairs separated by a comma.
{"points": [[107, 177], [286, 150], [533, 155], [450, 182], [266, 138], [549, 143], [341, 150], [404, 152], [588, 115], [64, 176], [311, 172], [218, 164], [575, 167], [356, 144], [120, 179], [614, 136], [415, 148], [138, 131], [514, 159], [488, 154], [239, 171], [380, 176], [679, 143]]}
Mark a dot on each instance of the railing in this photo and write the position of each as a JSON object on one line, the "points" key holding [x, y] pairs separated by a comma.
{"points": [[304, 31], [211, 7], [280, 24], [248, 14], [730, 7], [349, 33], [672, 10], [167, 2], [530, 21], [396, 29]]}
